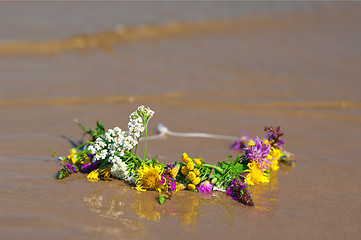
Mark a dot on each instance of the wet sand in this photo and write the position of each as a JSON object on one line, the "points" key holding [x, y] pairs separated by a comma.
{"points": [[214, 71]]}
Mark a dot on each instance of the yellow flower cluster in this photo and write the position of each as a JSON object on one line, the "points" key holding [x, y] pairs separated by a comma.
{"points": [[73, 157], [94, 175], [174, 171], [273, 157], [97, 174], [255, 174], [104, 174], [191, 171], [85, 159]]}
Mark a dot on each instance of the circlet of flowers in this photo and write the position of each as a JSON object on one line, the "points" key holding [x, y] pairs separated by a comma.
{"points": [[113, 153]]}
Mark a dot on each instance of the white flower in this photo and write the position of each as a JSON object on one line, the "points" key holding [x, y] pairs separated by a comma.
{"points": [[116, 142], [131, 179], [215, 188], [122, 165], [118, 160], [97, 147], [111, 132], [119, 170], [91, 149], [108, 137], [99, 143], [96, 158]]}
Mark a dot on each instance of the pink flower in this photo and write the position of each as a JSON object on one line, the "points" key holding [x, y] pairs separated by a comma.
{"points": [[205, 187]]}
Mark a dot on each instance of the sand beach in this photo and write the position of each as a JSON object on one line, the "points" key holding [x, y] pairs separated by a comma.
{"points": [[207, 67]]}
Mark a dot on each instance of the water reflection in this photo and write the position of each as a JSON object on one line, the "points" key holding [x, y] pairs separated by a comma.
{"points": [[127, 205]]}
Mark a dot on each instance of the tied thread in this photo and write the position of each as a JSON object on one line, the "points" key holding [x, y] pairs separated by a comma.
{"points": [[163, 131]]}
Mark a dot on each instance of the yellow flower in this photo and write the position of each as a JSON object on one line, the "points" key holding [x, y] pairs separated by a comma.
{"points": [[197, 161], [85, 159], [184, 156], [184, 170], [180, 186], [174, 171], [187, 160], [273, 157], [191, 186], [274, 166], [104, 174], [73, 157], [190, 166], [191, 175], [196, 181], [196, 171], [93, 175], [255, 174], [72, 151], [250, 143], [149, 177], [275, 153]]}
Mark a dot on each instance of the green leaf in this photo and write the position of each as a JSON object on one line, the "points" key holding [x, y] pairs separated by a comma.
{"points": [[237, 169], [100, 125]]}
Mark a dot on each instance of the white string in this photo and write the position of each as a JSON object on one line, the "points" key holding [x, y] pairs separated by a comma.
{"points": [[163, 130]]}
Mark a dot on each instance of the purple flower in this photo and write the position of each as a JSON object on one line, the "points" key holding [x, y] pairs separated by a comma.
{"points": [[270, 136], [238, 190], [241, 142], [205, 187], [274, 136], [70, 167], [87, 168], [258, 152]]}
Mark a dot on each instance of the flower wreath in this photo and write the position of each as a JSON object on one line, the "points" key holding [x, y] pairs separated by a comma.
{"points": [[113, 153]]}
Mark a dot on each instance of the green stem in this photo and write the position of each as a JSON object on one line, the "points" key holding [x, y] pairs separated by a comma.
{"points": [[54, 152], [83, 144], [136, 147], [145, 137], [213, 167]]}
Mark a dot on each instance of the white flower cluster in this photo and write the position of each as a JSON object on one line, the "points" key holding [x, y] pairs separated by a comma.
{"points": [[119, 170], [142, 112], [116, 142]]}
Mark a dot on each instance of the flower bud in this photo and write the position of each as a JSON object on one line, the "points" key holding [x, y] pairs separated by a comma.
{"points": [[197, 161], [191, 175], [190, 166], [196, 181], [191, 186], [184, 170]]}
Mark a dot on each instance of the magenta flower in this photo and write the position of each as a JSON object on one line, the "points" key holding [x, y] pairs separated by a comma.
{"points": [[205, 187], [172, 186], [162, 179]]}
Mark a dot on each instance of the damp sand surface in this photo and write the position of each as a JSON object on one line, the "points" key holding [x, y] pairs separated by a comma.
{"points": [[217, 69]]}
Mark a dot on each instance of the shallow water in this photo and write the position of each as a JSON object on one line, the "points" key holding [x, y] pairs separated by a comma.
{"points": [[203, 67]]}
